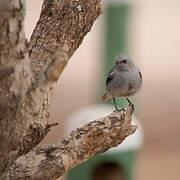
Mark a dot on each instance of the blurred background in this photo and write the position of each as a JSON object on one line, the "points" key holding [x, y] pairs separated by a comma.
{"points": [[148, 31]]}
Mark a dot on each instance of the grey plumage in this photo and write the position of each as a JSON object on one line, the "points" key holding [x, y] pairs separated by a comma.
{"points": [[123, 80]]}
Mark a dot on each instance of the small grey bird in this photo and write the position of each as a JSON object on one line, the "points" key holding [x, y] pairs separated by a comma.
{"points": [[123, 80]]}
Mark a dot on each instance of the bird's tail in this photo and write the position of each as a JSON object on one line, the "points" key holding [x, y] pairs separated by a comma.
{"points": [[106, 97]]}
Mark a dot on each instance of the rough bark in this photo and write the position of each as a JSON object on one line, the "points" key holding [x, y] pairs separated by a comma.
{"points": [[54, 160], [28, 73], [14, 80], [62, 26]]}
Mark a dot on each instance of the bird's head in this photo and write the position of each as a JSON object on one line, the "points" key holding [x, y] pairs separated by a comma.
{"points": [[123, 62]]}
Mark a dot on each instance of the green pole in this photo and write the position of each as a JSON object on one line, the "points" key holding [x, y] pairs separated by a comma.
{"points": [[117, 15], [116, 28]]}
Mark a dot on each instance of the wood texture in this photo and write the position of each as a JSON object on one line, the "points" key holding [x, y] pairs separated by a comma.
{"points": [[28, 73], [59, 32], [54, 160]]}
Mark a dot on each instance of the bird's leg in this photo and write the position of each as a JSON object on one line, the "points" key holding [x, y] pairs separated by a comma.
{"points": [[114, 101], [131, 104]]}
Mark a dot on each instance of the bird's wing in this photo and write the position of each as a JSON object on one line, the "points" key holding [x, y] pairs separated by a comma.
{"points": [[139, 72], [111, 75]]}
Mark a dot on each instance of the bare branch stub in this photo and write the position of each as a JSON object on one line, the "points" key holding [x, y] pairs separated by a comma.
{"points": [[34, 136], [54, 160]]}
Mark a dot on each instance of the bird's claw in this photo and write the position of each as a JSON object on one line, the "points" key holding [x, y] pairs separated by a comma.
{"points": [[119, 110]]}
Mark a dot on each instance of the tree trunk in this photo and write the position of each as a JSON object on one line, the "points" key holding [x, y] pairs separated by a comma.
{"points": [[28, 73]]}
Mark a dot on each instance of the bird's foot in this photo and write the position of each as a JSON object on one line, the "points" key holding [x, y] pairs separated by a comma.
{"points": [[119, 110]]}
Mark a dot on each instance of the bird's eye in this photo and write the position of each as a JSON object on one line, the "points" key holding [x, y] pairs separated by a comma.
{"points": [[124, 61]]}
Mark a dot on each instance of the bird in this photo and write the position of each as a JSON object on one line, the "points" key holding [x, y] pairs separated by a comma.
{"points": [[124, 80]]}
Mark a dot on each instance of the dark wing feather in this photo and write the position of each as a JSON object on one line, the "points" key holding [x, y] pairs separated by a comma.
{"points": [[140, 74], [110, 77]]}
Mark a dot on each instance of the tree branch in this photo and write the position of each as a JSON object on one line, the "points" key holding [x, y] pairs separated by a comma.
{"points": [[54, 160], [15, 79], [61, 24], [60, 29], [25, 91]]}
